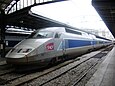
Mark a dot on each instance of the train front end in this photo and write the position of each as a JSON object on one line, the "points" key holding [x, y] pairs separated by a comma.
{"points": [[33, 50], [27, 52]]}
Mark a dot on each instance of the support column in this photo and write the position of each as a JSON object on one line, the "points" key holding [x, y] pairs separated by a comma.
{"points": [[2, 33]]}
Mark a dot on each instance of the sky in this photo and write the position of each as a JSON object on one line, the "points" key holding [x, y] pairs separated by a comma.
{"points": [[78, 13]]}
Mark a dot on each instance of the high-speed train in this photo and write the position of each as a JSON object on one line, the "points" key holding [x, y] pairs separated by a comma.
{"points": [[14, 35], [52, 44]]}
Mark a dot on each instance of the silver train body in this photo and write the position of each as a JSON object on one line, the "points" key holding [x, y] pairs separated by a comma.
{"points": [[52, 44]]}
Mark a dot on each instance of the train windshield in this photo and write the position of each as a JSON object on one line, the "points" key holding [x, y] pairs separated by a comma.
{"points": [[41, 34]]}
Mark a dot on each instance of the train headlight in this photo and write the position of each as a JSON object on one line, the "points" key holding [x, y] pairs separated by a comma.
{"points": [[24, 50]]}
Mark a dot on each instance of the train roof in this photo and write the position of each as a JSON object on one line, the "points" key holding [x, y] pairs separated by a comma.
{"points": [[68, 27], [57, 29], [74, 28]]}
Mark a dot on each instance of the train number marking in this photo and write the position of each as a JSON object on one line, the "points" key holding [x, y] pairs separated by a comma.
{"points": [[50, 46]]}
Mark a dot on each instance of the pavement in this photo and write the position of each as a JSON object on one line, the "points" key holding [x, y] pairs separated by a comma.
{"points": [[105, 75]]}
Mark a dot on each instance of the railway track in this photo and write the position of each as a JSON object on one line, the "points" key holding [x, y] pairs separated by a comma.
{"points": [[77, 79], [52, 75]]}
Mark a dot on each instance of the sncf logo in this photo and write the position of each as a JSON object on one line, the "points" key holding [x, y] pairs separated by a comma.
{"points": [[50, 46]]}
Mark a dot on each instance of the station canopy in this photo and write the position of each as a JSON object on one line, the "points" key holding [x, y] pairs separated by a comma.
{"points": [[26, 18], [106, 10], [4, 3]]}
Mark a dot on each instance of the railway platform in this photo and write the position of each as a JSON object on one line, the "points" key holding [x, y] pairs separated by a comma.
{"points": [[1, 59], [105, 74]]}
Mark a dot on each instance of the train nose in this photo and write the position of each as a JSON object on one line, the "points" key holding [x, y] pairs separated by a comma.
{"points": [[21, 52], [18, 55], [25, 47], [18, 52]]}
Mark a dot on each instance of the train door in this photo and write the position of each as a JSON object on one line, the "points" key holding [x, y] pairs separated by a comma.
{"points": [[63, 45], [59, 42], [59, 47]]}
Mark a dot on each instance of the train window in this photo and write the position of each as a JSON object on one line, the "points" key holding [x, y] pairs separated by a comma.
{"points": [[57, 35], [41, 34], [74, 32]]}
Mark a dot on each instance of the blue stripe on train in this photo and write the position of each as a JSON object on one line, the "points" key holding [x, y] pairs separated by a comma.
{"points": [[77, 43]]}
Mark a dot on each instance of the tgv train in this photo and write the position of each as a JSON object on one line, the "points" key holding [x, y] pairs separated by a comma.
{"points": [[18, 31], [52, 44], [14, 35]]}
